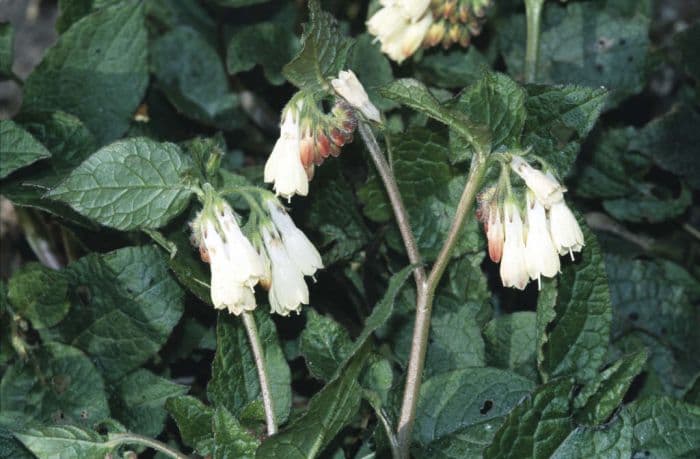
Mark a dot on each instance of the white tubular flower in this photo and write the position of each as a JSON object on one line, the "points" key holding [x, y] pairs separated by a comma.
{"points": [[299, 248], [541, 258], [495, 234], [402, 44], [546, 188], [349, 88], [249, 267], [226, 293], [284, 166], [566, 234], [513, 268], [288, 291], [401, 26]]}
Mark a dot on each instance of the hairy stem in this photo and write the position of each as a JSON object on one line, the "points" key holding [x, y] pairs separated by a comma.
{"points": [[134, 439], [387, 175], [252, 330], [533, 12], [424, 306]]}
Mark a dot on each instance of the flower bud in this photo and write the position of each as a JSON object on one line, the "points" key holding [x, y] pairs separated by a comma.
{"points": [[495, 234], [349, 87]]}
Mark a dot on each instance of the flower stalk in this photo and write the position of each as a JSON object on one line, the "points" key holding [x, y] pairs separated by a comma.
{"points": [[134, 439], [533, 13], [259, 357]]}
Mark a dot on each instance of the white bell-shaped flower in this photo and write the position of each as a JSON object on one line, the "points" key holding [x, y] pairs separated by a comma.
{"points": [[288, 290], [300, 249], [226, 292], [249, 265], [415, 8], [349, 87], [541, 258], [566, 233], [405, 42], [546, 188], [386, 22], [401, 26], [495, 233], [284, 167], [513, 268]]}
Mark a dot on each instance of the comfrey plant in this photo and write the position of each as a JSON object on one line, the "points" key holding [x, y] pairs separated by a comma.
{"points": [[255, 244]]}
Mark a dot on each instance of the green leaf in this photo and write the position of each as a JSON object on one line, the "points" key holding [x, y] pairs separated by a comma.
{"points": [[372, 68], [268, 44], [38, 294], [468, 442], [671, 142], [124, 305], [187, 265], [96, 71], [10, 447], [230, 438], [576, 339], [430, 186], [193, 78], [71, 11], [61, 385], [452, 69], [537, 426], [334, 215], [236, 3], [18, 148], [613, 169], [64, 442], [324, 344], [558, 120], [599, 399], [329, 411], [511, 343], [414, 94], [455, 342], [665, 427], [646, 299], [610, 441], [194, 420], [324, 51], [456, 399], [586, 44], [234, 383], [494, 101], [645, 206], [686, 42], [7, 45], [138, 401], [130, 184]]}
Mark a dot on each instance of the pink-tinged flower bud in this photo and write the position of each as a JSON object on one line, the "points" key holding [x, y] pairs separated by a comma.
{"points": [[541, 258], [513, 268], [288, 290], [349, 88], [495, 234], [546, 188], [284, 167], [566, 233]]}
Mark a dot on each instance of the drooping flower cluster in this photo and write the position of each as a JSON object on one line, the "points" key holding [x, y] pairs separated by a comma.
{"points": [[401, 26], [530, 249], [291, 256], [307, 138], [235, 265], [282, 259]]}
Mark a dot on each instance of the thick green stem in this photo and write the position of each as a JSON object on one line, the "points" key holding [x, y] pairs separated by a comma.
{"points": [[533, 11], [134, 439], [259, 357], [426, 294]]}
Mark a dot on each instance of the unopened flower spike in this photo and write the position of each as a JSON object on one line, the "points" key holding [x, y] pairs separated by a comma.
{"points": [[235, 265]]}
